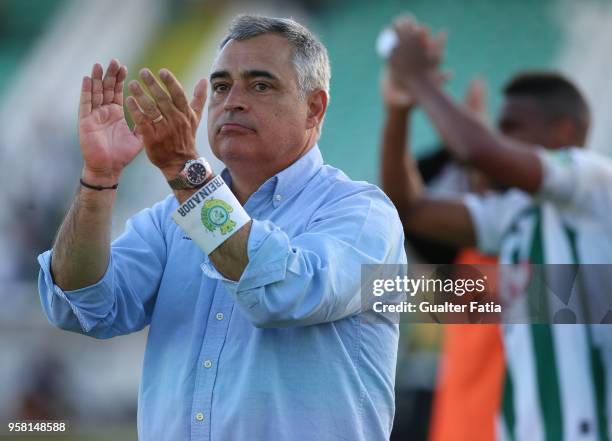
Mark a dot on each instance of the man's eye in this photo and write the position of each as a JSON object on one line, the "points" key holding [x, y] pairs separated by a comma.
{"points": [[261, 87], [220, 87]]}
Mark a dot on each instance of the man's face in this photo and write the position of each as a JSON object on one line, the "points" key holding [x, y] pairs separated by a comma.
{"points": [[524, 118], [256, 117]]}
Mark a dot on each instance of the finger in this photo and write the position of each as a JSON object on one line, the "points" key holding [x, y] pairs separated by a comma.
{"points": [[440, 40], [438, 44], [199, 97], [404, 20], [476, 97], [118, 93], [144, 101], [109, 81], [404, 24], [442, 77], [143, 123], [122, 74], [161, 97], [96, 86], [177, 93], [85, 101], [422, 35], [401, 27], [409, 32]]}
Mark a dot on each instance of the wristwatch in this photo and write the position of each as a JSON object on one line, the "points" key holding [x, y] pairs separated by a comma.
{"points": [[194, 175]]}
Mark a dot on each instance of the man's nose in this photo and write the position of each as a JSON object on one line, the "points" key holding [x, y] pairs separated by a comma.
{"points": [[236, 100]]}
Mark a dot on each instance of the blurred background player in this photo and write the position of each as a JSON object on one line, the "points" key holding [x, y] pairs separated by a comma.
{"points": [[556, 376], [466, 397]]}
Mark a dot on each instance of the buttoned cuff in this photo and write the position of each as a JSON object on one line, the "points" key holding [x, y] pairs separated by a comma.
{"points": [[268, 249], [89, 304]]}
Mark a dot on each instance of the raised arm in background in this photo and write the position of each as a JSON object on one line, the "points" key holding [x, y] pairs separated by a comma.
{"points": [[443, 220], [508, 162]]}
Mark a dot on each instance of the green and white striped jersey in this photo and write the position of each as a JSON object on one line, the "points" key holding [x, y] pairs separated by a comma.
{"points": [[559, 377]]}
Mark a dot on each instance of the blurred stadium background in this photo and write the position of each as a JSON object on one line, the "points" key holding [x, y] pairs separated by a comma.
{"points": [[46, 46]]}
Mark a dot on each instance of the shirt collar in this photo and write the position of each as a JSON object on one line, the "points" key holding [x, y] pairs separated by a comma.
{"points": [[287, 182]]}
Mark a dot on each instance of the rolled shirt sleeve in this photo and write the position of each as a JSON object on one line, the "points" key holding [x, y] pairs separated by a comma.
{"points": [[561, 176], [315, 276], [77, 310], [577, 178], [121, 301]]}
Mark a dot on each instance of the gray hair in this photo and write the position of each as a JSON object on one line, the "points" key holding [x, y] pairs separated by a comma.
{"points": [[309, 55]]}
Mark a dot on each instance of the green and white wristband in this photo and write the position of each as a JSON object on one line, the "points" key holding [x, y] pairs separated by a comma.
{"points": [[211, 215]]}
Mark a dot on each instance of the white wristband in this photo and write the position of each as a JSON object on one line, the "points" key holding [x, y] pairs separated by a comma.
{"points": [[211, 215], [386, 42]]}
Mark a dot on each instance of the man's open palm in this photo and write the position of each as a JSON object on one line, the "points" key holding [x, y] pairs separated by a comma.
{"points": [[107, 143]]}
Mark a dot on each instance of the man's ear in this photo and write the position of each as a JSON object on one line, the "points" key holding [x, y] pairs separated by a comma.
{"points": [[317, 105]]}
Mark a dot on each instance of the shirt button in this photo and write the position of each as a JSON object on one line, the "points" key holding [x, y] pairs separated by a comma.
{"points": [[208, 364], [585, 427], [278, 198], [199, 416], [219, 316]]}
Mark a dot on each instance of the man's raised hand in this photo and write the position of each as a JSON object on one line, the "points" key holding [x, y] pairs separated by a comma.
{"points": [[166, 120], [107, 143]]}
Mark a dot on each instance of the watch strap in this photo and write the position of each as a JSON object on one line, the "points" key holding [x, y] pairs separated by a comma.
{"points": [[179, 183]]}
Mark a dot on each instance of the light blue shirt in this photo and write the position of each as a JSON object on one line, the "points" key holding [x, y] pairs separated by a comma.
{"points": [[282, 354]]}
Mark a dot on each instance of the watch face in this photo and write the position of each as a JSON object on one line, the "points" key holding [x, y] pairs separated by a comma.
{"points": [[196, 173]]}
